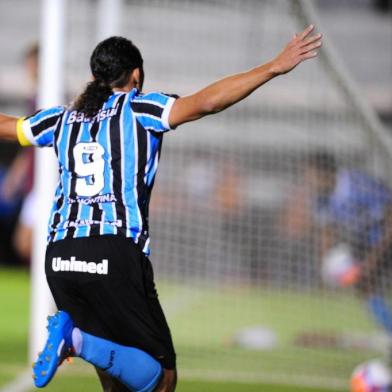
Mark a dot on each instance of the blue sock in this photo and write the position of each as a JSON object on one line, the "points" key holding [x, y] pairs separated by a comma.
{"points": [[381, 312], [133, 367]]}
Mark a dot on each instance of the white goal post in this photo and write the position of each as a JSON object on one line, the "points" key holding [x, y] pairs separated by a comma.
{"points": [[50, 93]]}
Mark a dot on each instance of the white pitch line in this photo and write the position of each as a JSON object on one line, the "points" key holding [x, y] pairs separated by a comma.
{"points": [[22, 383]]}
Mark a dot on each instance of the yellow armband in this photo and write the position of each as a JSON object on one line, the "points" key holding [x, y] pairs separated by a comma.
{"points": [[20, 133]]}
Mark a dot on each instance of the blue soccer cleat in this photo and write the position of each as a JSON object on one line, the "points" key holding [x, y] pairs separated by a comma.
{"points": [[57, 348]]}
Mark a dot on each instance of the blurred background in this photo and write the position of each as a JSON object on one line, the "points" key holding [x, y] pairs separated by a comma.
{"points": [[262, 215]]}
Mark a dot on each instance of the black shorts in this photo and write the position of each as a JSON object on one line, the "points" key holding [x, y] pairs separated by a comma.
{"points": [[107, 285]]}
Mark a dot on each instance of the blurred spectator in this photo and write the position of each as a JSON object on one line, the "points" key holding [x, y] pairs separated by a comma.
{"points": [[23, 234], [350, 207], [17, 183], [9, 209]]}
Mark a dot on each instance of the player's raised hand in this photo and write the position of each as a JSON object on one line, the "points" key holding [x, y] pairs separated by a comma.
{"points": [[232, 89], [303, 46]]}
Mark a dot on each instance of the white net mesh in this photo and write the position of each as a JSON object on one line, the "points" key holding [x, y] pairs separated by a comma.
{"points": [[236, 238], [235, 246]]}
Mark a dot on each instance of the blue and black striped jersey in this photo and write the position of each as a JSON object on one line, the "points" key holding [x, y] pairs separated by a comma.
{"points": [[107, 164]]}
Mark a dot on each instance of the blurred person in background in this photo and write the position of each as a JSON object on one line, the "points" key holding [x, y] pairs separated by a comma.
{"points": [[23, 235], [352, 213], [108, 144], [17, 181], [9, 211]]}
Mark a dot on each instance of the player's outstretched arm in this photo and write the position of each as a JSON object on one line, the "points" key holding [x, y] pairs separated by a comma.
{"points": [[8, 127], [232, 89]]}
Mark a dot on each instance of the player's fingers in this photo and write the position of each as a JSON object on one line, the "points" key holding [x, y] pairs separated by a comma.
{"points": [[311, 47], [306, 32], [309, 55], [313, 38]]}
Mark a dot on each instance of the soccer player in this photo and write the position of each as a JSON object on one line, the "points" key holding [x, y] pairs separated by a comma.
{"points": [[351, 207], [108, 144]]}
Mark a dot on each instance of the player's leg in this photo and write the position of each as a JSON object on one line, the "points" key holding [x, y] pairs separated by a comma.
{"points": [[168, 382], [110, 384], [370, 288], [96, 351], [114, 307], [381, 311], [131, 314], [136, 369]]}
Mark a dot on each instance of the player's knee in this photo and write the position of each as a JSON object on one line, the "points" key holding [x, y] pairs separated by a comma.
{"points": [[168, 382]]}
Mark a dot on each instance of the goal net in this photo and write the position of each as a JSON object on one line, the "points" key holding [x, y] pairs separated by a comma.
{"points": [[241, 226]]}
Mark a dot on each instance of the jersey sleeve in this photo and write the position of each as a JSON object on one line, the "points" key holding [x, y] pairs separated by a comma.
{"points": [[38, 129], [152, 110]]}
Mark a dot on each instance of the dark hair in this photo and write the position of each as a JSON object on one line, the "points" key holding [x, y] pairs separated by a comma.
{"points": [[322, 160], [111, 63]]}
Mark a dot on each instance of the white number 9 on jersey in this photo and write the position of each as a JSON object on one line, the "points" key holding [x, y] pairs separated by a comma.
{"points": [[89, 165]]}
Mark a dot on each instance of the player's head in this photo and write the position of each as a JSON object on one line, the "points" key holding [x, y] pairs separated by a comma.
{"points": [[321, 171], [115, 63], [115, 60]]}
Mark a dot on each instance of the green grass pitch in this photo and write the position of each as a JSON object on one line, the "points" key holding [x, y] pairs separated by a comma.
{"points": [[207, 360]]}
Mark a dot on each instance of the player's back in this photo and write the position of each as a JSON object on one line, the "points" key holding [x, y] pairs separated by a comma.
{"points": [[107, 164]]}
